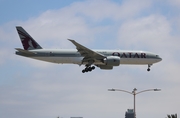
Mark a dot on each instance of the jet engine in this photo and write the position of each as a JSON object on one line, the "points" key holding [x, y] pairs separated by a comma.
{"points": [[112, 61]]}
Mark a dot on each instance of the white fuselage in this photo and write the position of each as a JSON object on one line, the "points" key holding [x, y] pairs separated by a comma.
{"points": [[104, 59], [72, 56]]}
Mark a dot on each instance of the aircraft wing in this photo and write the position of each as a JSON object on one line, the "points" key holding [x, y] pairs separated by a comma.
{"points": [[86, 52]]}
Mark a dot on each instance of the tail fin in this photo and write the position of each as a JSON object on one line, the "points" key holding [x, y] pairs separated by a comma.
{"points": [[27, 41]]}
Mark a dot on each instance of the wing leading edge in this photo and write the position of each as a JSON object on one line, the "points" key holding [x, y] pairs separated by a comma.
{"points": [[87, 53]]}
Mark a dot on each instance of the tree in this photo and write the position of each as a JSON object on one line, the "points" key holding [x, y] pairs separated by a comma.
{"points": [[172, 116]]}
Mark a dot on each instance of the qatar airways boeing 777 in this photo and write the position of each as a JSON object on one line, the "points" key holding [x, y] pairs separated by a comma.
{"points": [[104, 59]]}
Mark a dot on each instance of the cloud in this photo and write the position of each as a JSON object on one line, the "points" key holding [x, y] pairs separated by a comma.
{"points": [[149, 31], [55, 27], [3, 53], [98, 10], [38, 89], [174, 2], [75, 21]]}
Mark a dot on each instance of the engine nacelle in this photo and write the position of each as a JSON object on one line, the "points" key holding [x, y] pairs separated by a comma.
{"points": [[112, 61], [105, 67]]}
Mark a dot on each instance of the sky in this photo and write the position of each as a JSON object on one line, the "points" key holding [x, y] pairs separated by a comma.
{"points": [[35, 89]]}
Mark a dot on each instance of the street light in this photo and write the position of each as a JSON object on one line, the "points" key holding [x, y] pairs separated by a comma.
{"points": [[134, 93]]}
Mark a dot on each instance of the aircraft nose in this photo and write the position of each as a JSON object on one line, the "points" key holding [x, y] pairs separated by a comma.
{"points": [[159, 58]]}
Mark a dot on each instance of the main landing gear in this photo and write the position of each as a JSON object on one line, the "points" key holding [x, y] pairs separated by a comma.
{"points": [[149, 65], [88, 68]]}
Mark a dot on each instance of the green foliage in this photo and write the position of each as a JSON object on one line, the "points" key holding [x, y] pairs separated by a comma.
{"points": [[172, 116]]}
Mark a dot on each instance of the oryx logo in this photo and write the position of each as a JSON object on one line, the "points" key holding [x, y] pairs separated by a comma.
{"points": [[27, 41]]}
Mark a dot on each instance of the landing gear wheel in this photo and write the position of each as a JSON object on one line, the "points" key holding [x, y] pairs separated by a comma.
{"points": [[148, 69], [88, 69], [83, 71]]}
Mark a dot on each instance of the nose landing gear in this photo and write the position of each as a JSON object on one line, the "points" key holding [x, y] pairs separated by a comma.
{"points": [[88, 68], [149, 65]]}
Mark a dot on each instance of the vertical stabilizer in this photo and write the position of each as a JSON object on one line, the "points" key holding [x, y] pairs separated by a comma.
{"points": [[27, 41]]}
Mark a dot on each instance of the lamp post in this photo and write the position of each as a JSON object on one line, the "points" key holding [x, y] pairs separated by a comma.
{"points": [[134, 93]]}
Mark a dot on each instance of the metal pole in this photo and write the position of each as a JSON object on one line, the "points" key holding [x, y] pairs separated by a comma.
{"points": [[134, 105], [134, 93]]}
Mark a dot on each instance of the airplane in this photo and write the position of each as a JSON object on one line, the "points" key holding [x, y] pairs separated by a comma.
{"points": [[104, 59]]}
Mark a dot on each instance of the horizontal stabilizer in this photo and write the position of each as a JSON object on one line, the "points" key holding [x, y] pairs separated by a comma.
{"points": [[24, 51]]}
